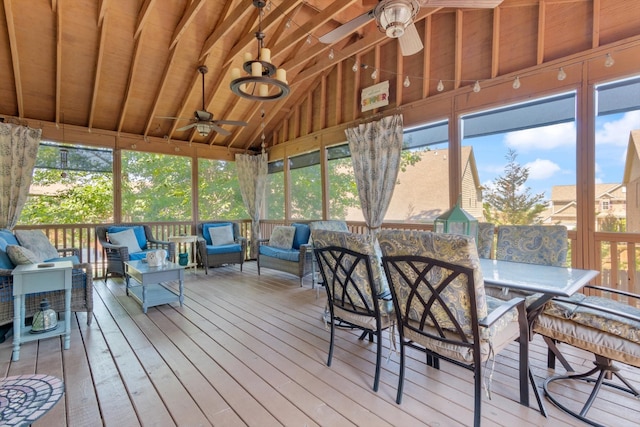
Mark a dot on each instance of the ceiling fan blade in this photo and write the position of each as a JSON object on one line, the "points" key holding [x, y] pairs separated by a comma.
{"points": [[219, 129], [470, 4], [230, 122], [186, 127], [410, 42], [346, 28]]}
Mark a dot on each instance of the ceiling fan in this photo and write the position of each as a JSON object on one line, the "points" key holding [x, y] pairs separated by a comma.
{"points": [[396, 19], [203, 120]]}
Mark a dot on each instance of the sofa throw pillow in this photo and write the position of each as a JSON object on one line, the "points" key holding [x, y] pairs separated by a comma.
{"points": [[5, 261], [125, 238], [38, 243], [20, 255], [282, 237], [221, 236]]}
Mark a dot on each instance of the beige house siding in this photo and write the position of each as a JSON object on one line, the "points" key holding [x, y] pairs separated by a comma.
{"points": [[422, 191], [632, 181]]}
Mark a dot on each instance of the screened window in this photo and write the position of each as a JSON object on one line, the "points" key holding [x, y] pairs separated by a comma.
{"points": [[219, 194], [344, 202], [274, 199], [306, 186]]}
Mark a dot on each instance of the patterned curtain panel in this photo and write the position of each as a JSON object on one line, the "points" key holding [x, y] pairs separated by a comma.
{"points": [[18, 151], [252, 177], [375, 153]]}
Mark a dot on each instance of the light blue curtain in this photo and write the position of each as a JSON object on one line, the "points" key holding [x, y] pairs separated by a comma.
{"points": [[252, 178], [18, 151], [375, 153]]}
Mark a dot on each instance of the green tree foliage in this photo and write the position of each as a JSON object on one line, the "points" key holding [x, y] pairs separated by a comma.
{"points": [[509, 201], [219, 191]]}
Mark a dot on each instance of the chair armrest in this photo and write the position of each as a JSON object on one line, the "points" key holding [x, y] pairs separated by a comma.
{"points": [[613, 291], [602, 308], [500, 311], [111, 250], [263, 241], [5, 272]]}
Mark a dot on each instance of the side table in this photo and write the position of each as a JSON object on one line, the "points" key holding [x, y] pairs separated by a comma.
{"points": [[33, 278], [191, 249]]}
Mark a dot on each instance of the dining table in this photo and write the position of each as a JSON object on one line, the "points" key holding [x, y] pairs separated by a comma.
{"points": [[542, 282]]}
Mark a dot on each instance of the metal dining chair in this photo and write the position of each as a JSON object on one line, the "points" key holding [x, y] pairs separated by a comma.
{"points": [[442, 310]]}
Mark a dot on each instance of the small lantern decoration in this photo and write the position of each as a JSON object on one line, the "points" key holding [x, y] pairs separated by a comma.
{"points": [[45, 319], [457, 221]]}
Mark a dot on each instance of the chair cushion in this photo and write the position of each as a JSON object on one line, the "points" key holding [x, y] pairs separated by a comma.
{"points": [[221, 236], [20, 255], [223, 249], [74, 259], [282, 237], [38, 243], [301, 236], [284, 254], [5, 261], [138, 230], [533, 244], [136, 256], [125, 238], [206, 226]]}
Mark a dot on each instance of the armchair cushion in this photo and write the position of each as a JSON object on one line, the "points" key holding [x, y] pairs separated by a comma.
{"points": [[205, 230], [20, 255], [221, 236], [5, 261], [138, 230], [125, 238], [8, 237], [282, 237], [223, 249], [38, 243], [301, 235], [280, 253]]}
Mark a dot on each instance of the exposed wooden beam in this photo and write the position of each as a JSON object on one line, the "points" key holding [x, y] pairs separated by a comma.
{"points": [[185, 101], [595, 32], [143, 16], [98, 74], [311, 25], [426, 58], [15, 60], [103, 5], [495, 43], [54, 6], [457, 66], [188, 16], [58, 13], [542, 8], [267, 22], [223, 28], [135, 62]]}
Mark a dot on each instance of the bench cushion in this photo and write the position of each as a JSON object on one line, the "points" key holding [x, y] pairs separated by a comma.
{"points": [[284, 254]]}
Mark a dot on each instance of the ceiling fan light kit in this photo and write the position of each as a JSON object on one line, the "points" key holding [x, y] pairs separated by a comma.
{"points": [[260, 84], [394, 16]]}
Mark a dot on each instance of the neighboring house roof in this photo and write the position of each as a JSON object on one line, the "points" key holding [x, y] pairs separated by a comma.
{"points": [[633, 150]]}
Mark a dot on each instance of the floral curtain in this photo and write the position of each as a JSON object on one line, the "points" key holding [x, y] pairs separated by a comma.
{"points": [[375, 154], [252, 177], [18, 151]]}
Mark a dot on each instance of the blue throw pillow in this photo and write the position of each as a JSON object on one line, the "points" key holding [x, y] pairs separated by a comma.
{"points": [[206, 227], [301, 237], [138, 230], [8, 237]]}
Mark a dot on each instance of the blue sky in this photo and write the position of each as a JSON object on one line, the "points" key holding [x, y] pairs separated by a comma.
{"points": [[549, 152]]}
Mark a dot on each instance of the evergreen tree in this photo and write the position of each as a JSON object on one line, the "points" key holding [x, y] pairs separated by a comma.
{"points": [[509, 201]]}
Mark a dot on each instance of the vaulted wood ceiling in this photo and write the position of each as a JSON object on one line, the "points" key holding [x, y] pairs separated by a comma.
{"points": [[117, 66]]}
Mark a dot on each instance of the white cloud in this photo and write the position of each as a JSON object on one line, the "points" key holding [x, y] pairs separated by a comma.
{"points": [[617, 132], [542, 169], [542, 138]]}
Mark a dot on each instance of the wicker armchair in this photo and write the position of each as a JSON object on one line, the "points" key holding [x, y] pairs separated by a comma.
{"points": [[215, 256], [117, 255], [81, 292]]}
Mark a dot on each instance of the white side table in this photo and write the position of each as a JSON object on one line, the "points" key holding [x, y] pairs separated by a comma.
{"points": [[43, 277], [191, 249]]}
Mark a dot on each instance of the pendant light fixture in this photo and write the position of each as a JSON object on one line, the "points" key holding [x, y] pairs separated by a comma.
{"points": [[260, 84]]}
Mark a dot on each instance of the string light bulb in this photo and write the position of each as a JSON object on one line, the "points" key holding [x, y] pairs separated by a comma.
{"points": [[308, 39], [561, 74], [608, 61], [476, 86], [374, 75], [406, 82], [355, 67], [440, 86], [287, 24], [331, 54], [516, 83]]}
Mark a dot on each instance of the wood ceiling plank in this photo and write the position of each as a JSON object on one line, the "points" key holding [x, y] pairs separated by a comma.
{"points": [[163, 84], [98, 74], [102, 10], [15, 58], [187, 18], [426, 60], [58, 13], [137, 51], [185, 101], [143, 16], [223, 28], [267, 22], [495, 43], [595, 31]]}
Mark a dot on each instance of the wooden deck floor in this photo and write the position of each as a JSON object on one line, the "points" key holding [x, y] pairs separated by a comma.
{"points": [[251, 350]]}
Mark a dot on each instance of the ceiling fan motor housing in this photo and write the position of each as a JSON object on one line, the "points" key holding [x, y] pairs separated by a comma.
{"points": [[393, 16]]}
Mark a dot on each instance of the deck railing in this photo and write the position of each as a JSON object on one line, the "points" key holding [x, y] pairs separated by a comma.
{"points": [[618, 258]]}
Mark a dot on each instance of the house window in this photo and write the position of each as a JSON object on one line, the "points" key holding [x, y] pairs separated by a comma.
{"points": [[605, 205]]}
